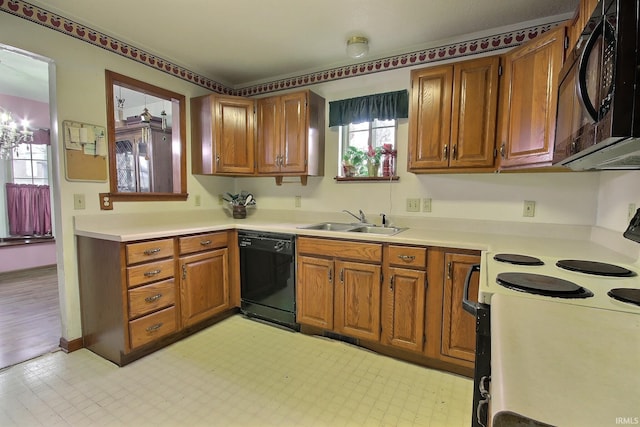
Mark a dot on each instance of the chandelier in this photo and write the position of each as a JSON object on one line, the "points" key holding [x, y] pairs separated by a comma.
{"points": [[11, 134]]}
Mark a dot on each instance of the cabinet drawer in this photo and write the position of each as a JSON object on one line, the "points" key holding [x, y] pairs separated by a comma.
{"points": [[202, 242], [148, 251], [150, 328], [341, 249], [149, 272], [145, 299], [406, 256]]}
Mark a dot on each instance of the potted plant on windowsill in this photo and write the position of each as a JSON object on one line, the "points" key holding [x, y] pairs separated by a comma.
{"points": [[353, 162], [373, 160]]}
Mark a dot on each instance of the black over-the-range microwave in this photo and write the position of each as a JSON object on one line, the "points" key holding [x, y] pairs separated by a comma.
{"points": [[598, 122]]}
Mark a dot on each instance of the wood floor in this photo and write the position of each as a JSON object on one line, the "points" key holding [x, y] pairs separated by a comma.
{"points": [[29, 314]]}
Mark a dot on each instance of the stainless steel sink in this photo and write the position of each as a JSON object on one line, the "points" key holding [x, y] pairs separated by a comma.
{"points": [[355, 228], [388, 231], [330, 226]]}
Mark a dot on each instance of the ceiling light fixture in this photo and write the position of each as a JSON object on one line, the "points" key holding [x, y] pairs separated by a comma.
{"points": [[10, 135], [357, 46]]}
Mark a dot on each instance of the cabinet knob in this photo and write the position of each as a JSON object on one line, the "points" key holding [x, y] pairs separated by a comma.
{"points": [[407, 258], [205, 242], [445, 152], [503, 150], [454, 152], [152, 251]]}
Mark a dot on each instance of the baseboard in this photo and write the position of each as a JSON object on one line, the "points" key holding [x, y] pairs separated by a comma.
{"points": [[71, 346]]}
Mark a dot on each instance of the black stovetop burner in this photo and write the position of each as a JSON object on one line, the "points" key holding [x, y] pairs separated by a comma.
{"points": [[629, 295], [518, 259], [539, 284], [595, 268]]}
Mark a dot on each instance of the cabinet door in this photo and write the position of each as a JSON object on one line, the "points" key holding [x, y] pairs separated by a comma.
{"points": [[294, 133], [357, 302], [430, 118], [458, 327], [475, 106], [404, 306], [314, 293], [235, 134], [204, 286], [269, 134], [529, 97]]}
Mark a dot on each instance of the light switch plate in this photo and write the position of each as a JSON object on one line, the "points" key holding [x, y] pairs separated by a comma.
{"points": [[78, 201], [529, 208]]}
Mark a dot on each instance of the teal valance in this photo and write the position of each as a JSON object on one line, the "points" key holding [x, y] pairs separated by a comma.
{"points": [[381, 106]]}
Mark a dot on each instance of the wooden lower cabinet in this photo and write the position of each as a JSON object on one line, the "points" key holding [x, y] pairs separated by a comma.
{"points": [[404, 309], [458, 329], [204, 286], [357, 300], [136, 297], [338, 286]]}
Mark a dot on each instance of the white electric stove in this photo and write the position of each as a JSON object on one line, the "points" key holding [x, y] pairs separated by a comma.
{"points": [[582, 288]]}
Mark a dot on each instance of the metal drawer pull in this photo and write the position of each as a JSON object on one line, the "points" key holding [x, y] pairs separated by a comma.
{"points": [[152, 251], [154, 328], [154, 298], [152, 273], [205, 242], [407, 258]]}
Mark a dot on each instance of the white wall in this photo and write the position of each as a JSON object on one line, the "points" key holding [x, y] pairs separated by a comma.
{"points": [[616, 191]]}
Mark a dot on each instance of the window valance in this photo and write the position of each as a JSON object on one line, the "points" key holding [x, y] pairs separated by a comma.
{"points": [[381, 106]]}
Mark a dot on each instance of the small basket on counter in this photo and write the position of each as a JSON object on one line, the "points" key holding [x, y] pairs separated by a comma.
{"points": [[239, 203]]}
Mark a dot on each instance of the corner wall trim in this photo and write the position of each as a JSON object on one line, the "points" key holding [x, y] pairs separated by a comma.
{"points": [[71, 346]]}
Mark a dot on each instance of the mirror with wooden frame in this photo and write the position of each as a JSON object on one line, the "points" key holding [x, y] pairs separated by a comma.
{"points": [[147, 142]]}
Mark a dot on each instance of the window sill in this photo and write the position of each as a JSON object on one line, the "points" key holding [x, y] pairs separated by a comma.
{"points": [[366, 178]]}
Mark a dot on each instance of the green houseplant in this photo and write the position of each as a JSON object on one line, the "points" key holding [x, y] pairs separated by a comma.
{"points": [[353, 162]]}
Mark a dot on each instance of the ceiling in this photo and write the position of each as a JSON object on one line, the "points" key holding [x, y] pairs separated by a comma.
{"points": [[242, 42]]}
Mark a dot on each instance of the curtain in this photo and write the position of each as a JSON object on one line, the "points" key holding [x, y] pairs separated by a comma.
{"points": [[382, 106], [29, 208]]}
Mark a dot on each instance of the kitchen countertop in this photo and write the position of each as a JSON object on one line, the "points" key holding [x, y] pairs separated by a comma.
{"points": [[577, 367], [532, 239]]}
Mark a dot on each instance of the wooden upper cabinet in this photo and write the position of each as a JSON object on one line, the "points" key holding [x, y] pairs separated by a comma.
{"points": [[430, 118], [222, 135], [529, 95], [291, 134], [453, 116]]}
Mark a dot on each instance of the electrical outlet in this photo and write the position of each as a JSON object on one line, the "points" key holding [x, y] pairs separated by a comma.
{"points": [[426, 204], [632, 211], [529, 208], [78, 201], [298, 201], [413, 205], [196, 200], [220, 199]]}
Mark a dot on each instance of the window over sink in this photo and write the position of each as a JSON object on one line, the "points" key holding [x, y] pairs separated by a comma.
{"points": [[368, 134]]}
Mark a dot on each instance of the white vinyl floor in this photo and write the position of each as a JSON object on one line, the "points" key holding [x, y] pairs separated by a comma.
{"points": [[238, 372]]}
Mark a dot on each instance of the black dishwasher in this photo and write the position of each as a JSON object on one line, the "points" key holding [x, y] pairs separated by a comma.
{"points": [[267, 277]]}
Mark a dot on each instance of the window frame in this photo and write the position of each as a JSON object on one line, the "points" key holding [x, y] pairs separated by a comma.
{"points": [[343, 144], [42, 181]]}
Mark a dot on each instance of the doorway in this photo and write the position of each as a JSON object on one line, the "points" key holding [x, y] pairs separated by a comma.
{"points": [[30, 319]]}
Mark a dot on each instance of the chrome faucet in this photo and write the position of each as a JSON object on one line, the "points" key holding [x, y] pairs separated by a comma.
{"points": [[360, 218]]}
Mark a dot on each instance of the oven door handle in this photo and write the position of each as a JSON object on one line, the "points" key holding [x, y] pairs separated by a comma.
{"points": [[470, 306]]}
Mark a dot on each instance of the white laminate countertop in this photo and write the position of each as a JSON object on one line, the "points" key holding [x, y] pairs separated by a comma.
{"points": [[562, 364], [532, 239]]}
